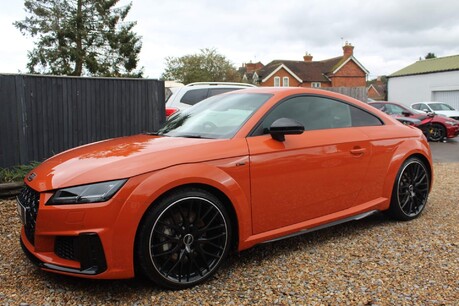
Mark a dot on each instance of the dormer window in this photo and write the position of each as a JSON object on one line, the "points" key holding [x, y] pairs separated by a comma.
{"points": [[316, 84], [285, 82]]}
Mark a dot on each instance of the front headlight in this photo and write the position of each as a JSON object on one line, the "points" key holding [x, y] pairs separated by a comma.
{"points": [[451, 123], [98, 192]]}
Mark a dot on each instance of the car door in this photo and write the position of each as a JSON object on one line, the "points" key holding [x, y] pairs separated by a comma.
{"points": [[310, 175]]}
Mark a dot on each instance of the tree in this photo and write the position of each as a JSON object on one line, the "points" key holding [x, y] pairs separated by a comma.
{"points": [[430, 55], [207, 66], [81, 37]]}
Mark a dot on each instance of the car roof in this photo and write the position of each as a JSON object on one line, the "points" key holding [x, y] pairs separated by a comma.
{"points": [[429, 102], [219, 84]]}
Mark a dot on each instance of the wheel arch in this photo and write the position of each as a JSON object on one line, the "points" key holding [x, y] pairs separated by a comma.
{"points": [[231, 191], [427, 163], [408, 150], [209, 188]]}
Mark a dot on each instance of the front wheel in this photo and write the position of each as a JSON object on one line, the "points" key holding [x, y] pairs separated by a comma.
{"points": [[411, 189], [183, 239], [437, 132]]}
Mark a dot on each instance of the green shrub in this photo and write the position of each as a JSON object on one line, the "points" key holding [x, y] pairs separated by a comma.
{"points": [[16, 173]]}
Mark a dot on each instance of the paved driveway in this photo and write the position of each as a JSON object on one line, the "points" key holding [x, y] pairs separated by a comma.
{"points": [[445, 152]]}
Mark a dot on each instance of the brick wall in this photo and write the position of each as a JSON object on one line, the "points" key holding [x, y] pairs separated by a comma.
{"points": [[349, 76]]}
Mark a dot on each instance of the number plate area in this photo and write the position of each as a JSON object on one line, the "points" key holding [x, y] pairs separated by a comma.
{"points": [[22, 212]]}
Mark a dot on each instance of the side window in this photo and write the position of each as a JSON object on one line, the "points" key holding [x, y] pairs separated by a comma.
{"points": [[394, 109], [362, 118], [276, 81], [424, 107], [417, 106], [194, 96], [379, 106], [317, 113], [217, 91]]}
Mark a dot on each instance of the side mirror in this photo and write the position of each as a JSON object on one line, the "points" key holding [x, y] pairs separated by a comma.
{"points": [[409, 121], [285, 126], [406, 113]]}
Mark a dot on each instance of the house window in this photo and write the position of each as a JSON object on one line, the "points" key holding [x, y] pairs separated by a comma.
{"points": [[315, 84], [276, 81], [285, 82], [255, 79]]}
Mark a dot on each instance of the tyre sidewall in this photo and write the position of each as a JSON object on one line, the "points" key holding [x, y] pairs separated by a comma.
{"points": [[395, 209], [143, 237]]}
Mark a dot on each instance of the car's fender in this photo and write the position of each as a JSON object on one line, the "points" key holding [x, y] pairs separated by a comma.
{"points": [[229, 176], [406, 149]]}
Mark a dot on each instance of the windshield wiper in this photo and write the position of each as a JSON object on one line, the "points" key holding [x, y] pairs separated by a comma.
{"points": [[193, 136]]}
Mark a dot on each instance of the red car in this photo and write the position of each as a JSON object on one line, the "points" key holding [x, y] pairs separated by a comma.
{"points": [[238, 169], [435, 127]]}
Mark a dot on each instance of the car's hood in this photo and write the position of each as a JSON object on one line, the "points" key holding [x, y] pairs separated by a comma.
{"points": [[452, 113], [126, 157]]}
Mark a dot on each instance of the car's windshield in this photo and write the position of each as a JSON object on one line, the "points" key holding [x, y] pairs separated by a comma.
{"points": [[440, 107], [216, 117]]}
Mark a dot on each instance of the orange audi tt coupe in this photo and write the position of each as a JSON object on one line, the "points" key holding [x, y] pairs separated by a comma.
{"points": [[231, 172]]}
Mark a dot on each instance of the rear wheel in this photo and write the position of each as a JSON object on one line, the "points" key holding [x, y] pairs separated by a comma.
{"points": [[183, 239], [437, 132], [411, 189]]}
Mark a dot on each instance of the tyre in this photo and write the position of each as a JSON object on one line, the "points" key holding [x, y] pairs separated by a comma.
{"points": [[411, 189], [183, 239], [437, 132]]}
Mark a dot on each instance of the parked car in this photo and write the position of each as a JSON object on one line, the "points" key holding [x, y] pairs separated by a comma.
{"points": [[170, 87], [436, 128], [233, 171], [186, 96], [437, 108]]}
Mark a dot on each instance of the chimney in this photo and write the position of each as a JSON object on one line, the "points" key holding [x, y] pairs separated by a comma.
{"points": [[250, 67], [348, 49], [307, 57]]}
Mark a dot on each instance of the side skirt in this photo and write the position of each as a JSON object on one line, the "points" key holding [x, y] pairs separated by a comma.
{"points": [[313, 229]]}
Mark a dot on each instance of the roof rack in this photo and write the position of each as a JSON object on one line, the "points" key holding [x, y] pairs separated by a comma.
{"points": [[221, 83]]}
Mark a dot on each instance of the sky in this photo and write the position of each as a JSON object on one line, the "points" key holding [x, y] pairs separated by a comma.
{"points": [[387, 35]]}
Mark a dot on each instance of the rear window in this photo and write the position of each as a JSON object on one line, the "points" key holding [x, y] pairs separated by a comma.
{"points": [[194, 96]]}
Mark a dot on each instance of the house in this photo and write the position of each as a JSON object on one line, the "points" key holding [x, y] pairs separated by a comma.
{"points": [[377, 90], [435, 79], [248, 72], [341, 71]]}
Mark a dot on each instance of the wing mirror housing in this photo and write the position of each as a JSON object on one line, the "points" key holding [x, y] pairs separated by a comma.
{"points": [[408, 121], [285, 126], [406, 113]]}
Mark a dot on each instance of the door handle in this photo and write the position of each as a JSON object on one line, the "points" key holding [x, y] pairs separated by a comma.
{"points": [[358, 151]]}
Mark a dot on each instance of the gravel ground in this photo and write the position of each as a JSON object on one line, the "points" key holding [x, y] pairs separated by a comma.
{"points": [[368, 262]]}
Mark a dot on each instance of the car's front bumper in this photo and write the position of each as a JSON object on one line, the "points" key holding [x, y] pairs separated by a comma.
{"points": [[90, 256], [452, 131], [81, 240]]}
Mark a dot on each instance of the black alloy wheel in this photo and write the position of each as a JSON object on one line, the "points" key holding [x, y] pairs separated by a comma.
{"points": [[411, 190], [437, 132], [184, 239]]}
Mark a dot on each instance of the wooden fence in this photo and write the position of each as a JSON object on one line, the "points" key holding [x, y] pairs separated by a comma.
{"points": [[44, 115], [359, 93]]}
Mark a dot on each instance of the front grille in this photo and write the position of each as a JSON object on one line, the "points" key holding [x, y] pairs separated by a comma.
{"points": [[30, 200], [64, 247]]}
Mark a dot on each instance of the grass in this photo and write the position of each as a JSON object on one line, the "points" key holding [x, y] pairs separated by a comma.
{"points": [[16, 173]]}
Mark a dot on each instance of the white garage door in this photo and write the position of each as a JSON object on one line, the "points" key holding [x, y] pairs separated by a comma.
{"points": [[451, 97]]}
